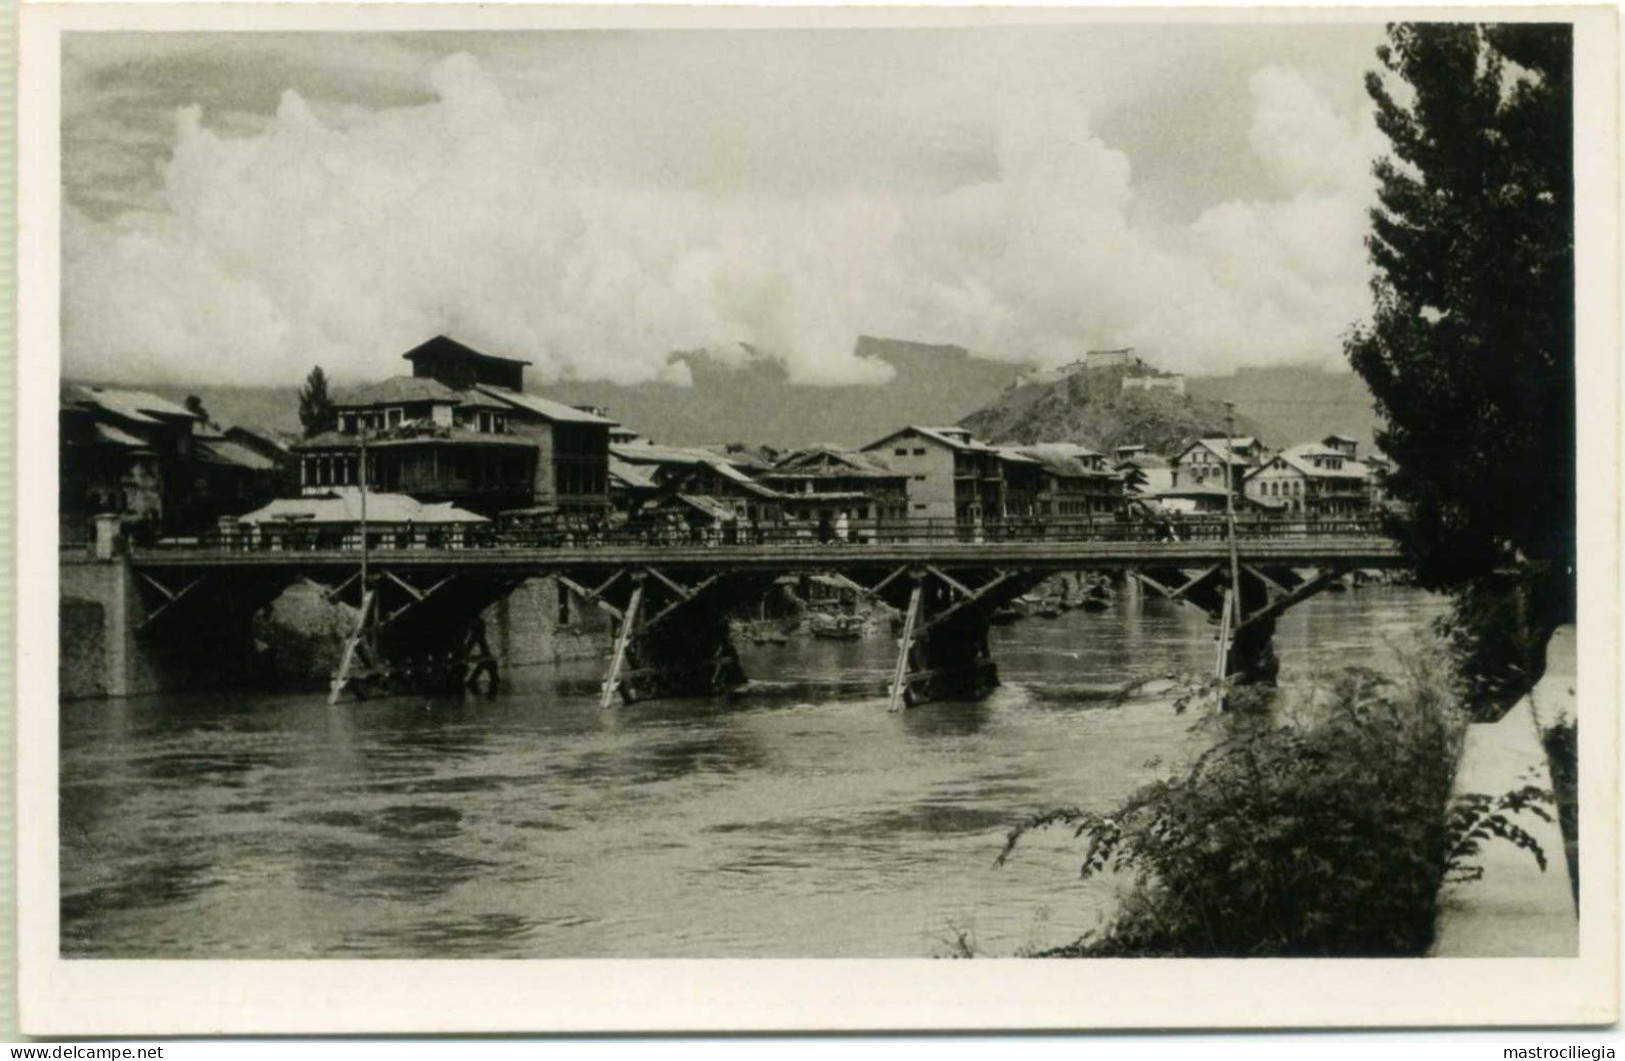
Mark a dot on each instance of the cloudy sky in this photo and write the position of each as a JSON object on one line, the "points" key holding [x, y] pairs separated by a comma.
{"points": [[240, 207]]}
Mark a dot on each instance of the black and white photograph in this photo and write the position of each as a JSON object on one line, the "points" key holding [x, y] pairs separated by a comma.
{"points": [[1058, 489]]}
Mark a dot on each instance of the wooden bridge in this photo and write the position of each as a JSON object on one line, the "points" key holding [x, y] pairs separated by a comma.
{"points": [[420, 598]]}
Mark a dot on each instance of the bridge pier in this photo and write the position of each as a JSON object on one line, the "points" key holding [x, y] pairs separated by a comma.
{"points": [[942, 653], [672, 637], [419, 633], [1265, 593]]}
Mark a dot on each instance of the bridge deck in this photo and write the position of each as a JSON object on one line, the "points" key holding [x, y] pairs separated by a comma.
{"points": [[1360, 551]]}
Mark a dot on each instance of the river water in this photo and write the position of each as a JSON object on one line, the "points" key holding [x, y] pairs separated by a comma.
{"points": [[800, 819]]}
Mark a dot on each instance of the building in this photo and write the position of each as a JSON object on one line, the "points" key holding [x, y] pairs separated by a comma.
{"points": [[701, 486], [827, 486], [1312, 479], [1144, 473], [394, 521], [1205, 461], [159, 467], [952, 477], [1200, 499], [1172, 384], [461, 429], [1074, 482], [1123, 357]]}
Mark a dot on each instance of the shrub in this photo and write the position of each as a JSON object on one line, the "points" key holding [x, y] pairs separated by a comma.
{"points": [[1323, 836]]}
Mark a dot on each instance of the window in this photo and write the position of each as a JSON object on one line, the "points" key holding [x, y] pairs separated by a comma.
{"points": [[900, 451], [395, 417], [919, 507], [564, 605], [919, 478], [919, 451]]}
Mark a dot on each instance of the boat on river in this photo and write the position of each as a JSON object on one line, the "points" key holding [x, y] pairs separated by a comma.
{"points": [[837, 627]]}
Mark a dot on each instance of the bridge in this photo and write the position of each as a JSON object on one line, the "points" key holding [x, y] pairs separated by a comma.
{"points": [[419, 593]]}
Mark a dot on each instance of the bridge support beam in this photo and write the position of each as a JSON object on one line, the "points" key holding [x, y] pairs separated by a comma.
{"points": [[419, 633], [1265, 593], [942, 653], [672, 636]]}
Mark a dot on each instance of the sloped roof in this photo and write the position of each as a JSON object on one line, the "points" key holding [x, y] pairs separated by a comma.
{"points": [[1016, 456], [441, 345], [113, 436], [224, 451], [1351, 469], [1198, 490], [948, 436], [135, 405], [708, 506], [1143, 460], [546, 408], [346, 508], [399, 389], [631, 475], [853, 463], [1221, 447]]}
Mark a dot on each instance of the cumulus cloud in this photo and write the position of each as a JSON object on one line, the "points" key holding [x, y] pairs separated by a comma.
{"points": [[344, 243]]}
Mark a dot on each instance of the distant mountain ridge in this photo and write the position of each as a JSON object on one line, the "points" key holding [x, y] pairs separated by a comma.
{"points": [[933, 385]]}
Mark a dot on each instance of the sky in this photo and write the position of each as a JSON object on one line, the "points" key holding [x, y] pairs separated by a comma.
{"points": [[239, 207]]}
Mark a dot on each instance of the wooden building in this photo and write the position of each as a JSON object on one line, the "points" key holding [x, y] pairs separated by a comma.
{"points": [[161, 468], [826, 486], [461, 429], [952, 478]]}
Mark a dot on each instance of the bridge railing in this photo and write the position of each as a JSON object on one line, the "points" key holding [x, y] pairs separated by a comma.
{"points": [[870, 533]]}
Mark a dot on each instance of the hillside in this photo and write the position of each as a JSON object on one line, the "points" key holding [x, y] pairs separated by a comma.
{"points": [[1282, 406], [1089, 407]]}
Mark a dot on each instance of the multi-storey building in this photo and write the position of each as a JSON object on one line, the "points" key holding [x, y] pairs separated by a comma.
{"points": [[951, 476], [158, 467], [825, 486], [1205, 461], [1313, 479], [462, 429]]}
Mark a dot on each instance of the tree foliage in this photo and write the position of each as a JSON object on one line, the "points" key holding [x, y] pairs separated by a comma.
{"points": [[1326, 836], [316, 412], [1471, 351]]}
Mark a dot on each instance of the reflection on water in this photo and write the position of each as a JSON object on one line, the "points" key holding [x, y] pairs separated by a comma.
{"points": [[797, 820]]}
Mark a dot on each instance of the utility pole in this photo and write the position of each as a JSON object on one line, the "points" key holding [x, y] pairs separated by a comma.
{"points": [[369, 615], [1233, 603]]}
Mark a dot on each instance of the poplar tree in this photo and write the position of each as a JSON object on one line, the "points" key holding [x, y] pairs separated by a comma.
{"points": [[1470, 353], [316, 412]]}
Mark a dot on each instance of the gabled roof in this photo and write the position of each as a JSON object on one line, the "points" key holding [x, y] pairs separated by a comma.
{"points": [[397, 390], [1143, 460], [345, 507], [546, 408], [956, 438], [224, 451], [138, 406], [1220, 447], [853, 462], [1301, 463], [631, 475], [443, 346], [1340, 438]]}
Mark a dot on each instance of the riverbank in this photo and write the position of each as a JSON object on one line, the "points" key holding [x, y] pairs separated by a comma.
{"points": [[1517, 909]]}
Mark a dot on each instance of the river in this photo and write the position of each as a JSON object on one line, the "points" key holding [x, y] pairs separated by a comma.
{"points": [[799, 819]]}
